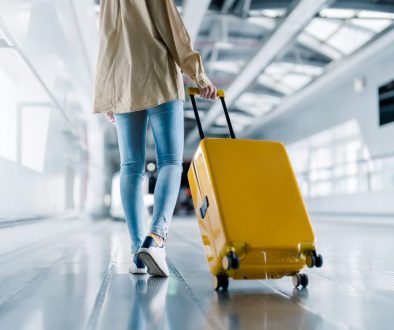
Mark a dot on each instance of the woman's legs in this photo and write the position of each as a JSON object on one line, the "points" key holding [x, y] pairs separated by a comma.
{"points": [[167, 122], [131, 130]]}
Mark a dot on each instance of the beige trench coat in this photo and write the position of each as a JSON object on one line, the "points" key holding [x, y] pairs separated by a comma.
{"points": [[144, 47]]}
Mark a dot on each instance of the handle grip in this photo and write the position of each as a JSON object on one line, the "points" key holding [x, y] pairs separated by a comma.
{"points": [[195, 91], [192, 91]]}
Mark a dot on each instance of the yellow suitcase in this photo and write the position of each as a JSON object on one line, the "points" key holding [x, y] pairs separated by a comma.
{"points": [[252, 218]]}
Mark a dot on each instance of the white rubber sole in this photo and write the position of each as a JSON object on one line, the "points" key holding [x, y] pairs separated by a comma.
{"points": [[153, 268], [138, 271]]}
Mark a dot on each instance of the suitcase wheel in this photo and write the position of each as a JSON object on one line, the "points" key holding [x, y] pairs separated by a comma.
{"points": [[314, 260], [300, 280], [220, 281], [319, 261], [230, 261]]}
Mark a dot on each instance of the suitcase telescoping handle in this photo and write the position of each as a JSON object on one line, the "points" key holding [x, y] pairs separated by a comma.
{"points": [[192, 91]]}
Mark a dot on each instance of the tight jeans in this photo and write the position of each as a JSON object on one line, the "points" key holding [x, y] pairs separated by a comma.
{"points": [[167, 123]]}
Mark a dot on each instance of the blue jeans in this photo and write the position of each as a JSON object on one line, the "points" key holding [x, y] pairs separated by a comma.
{"points": [[167, 122]]}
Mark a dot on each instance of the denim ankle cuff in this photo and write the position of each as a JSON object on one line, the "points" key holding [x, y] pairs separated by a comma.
{"points": [[159, 232]]}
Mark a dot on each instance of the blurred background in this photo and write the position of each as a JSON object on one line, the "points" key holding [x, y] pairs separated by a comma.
{"points": [[317, 75]]}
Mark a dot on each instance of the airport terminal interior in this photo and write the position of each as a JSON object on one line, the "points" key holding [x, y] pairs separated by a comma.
{"points": [[315, 75]]}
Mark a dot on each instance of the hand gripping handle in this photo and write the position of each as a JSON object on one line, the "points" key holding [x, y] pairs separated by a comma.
{"points": [[192, 91]]}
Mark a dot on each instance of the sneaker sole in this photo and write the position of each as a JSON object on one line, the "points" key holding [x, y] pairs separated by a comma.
{"points": [[153, 267], [138, 271]]}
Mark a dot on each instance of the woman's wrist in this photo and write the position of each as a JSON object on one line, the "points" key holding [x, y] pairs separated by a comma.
{"points": [[202, 81]]}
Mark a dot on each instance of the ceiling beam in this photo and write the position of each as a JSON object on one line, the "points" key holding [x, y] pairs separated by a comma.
{"points": [[384, 6], [242, 8], [227, 4], [271, 4], [193, 15], [285, 33]]}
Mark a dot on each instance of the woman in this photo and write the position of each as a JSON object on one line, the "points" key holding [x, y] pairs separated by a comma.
{"points": [[144, 46]]}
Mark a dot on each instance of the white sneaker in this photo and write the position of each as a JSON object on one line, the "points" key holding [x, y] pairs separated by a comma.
{"points": [[154, 257], [137, 266]]}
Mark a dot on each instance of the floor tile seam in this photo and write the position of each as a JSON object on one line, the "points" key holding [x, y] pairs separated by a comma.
{"points": [[94, 315], [214, 322]]}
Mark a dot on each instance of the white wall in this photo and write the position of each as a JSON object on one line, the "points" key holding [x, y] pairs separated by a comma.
{"points": [[50, 65]]}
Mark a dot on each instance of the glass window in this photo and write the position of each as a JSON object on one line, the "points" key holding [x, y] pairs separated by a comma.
{"points": [[296, 81], [322, 28], [305, 69], [276, 69], [256, 104], [337, 161], [34, 133], [348, 39], [24, 109], [319, 47], [232, 67], [375, 25], [236, 119], [8, 122], [269, 82]]}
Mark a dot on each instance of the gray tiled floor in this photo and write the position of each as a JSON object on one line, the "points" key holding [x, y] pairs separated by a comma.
{"points": [[73, 275]]}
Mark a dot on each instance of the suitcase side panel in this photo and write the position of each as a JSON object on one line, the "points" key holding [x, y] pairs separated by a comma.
{"points": [[212, 231]]}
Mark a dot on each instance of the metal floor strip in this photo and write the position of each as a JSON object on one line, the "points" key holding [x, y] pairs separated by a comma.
{"points": [[100, 298], [214, 322]]}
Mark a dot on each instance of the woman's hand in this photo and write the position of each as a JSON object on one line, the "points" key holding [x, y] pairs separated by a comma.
{"points": [[110, 117], [209, 92]]}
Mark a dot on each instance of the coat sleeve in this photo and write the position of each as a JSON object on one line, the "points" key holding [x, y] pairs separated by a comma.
{"points": [[173, 32]]}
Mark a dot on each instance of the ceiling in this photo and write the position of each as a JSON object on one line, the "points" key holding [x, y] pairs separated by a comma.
{"points": [[233, 32]]}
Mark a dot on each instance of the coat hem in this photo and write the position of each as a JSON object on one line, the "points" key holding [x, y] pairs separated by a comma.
{"points": [[155, 104]]}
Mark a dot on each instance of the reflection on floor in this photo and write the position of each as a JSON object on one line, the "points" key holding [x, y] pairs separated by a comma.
{"points": [[73, 275]]}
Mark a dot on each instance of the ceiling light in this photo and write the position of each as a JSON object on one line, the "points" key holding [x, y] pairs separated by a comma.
{"points": [[272, 13], [375, 14], [151, 167], [224, 45], [337, 13]]}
